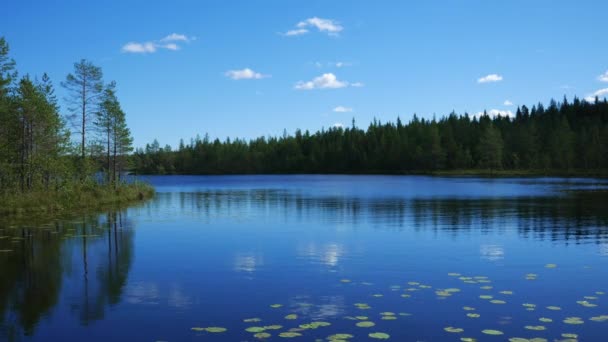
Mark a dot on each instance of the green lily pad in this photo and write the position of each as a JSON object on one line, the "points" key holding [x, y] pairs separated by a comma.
{"points": [[252, 320], [545, 320], [453, 330], [486, 297], [536, 327], [216, 329], [197, 329], [273, 327], [550, 266], [569, 335], [339, 337], [602, 318], [468, 308], [380, 335], [291, 316], [276, 306], [262, 335], [365, 324], [492, 332], [586, 304], [574, 320], [473, 315], [255, 329], [289, 334], [497, 301]]}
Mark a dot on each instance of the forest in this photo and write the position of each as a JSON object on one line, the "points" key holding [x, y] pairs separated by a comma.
{"points": [[561, 138], [40, 164]]}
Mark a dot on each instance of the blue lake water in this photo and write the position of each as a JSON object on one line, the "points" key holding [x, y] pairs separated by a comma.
{"points": [[411, 251]]}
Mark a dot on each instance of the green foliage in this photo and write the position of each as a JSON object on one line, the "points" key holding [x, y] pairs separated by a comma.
{"points": [[40, 168], [565, 138]]}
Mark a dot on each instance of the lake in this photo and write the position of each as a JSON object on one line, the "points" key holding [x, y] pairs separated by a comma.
{"points": [[255, 258]]}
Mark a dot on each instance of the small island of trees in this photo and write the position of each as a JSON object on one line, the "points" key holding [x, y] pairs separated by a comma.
{"points": [[40, 167]]}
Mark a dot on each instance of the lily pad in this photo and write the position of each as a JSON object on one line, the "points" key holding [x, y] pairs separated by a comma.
{"points": [[339, 337], [497, 301], [536, 327], [492, 332], [554, 308], [289, 334], [380, 335], [573, 320], [365, 324], [453, 330], [262, 335], [545, 320], [276, 306], [291, 316], [550, 266], [255, 329], [602, 318], [473, 315]]}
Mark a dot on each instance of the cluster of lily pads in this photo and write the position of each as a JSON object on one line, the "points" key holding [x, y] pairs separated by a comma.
{"points": [[367, 324]]}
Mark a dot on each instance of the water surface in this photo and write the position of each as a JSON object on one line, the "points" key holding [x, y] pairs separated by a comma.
{"points": [[214, 251]]}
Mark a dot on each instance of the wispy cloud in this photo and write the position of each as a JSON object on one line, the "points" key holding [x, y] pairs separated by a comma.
{"points": [[342, 109], [329, 26], [603, 77], [495, 112], [325, 81], [169, 42], [601, 94], [508, 103], [296, 32], [490, 78], [332, 64], [245, 74]]}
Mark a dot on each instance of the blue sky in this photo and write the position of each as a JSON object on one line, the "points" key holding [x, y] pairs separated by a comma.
{"points": [[251, 68]]}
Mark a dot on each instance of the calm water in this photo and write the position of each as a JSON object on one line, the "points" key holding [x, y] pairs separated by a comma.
{"points": [[213, 251]]}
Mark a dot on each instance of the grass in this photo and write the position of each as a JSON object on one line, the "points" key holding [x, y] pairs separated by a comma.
{"points": [[75, 198]]}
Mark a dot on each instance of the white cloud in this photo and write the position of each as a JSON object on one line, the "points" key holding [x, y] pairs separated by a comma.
{"points": [[244, 74], [296, 32], [490, 78], [332, 64], [325, 81], [602, 93], [495, 112], [357, 84], [603, 77], [508, 103], [132, 47], [169, 43], [342, 109], [175, 37], [329, 26]]}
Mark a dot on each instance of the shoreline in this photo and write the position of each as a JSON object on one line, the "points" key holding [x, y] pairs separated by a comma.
{"points": [[81, 198], [439, 173]]}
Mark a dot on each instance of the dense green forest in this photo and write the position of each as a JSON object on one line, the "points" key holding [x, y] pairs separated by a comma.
{"points": [[39, 163], [566, 137]]}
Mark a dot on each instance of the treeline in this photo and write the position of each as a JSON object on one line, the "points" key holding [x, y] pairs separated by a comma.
{"points": [[561, 137], [37, 155]]}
